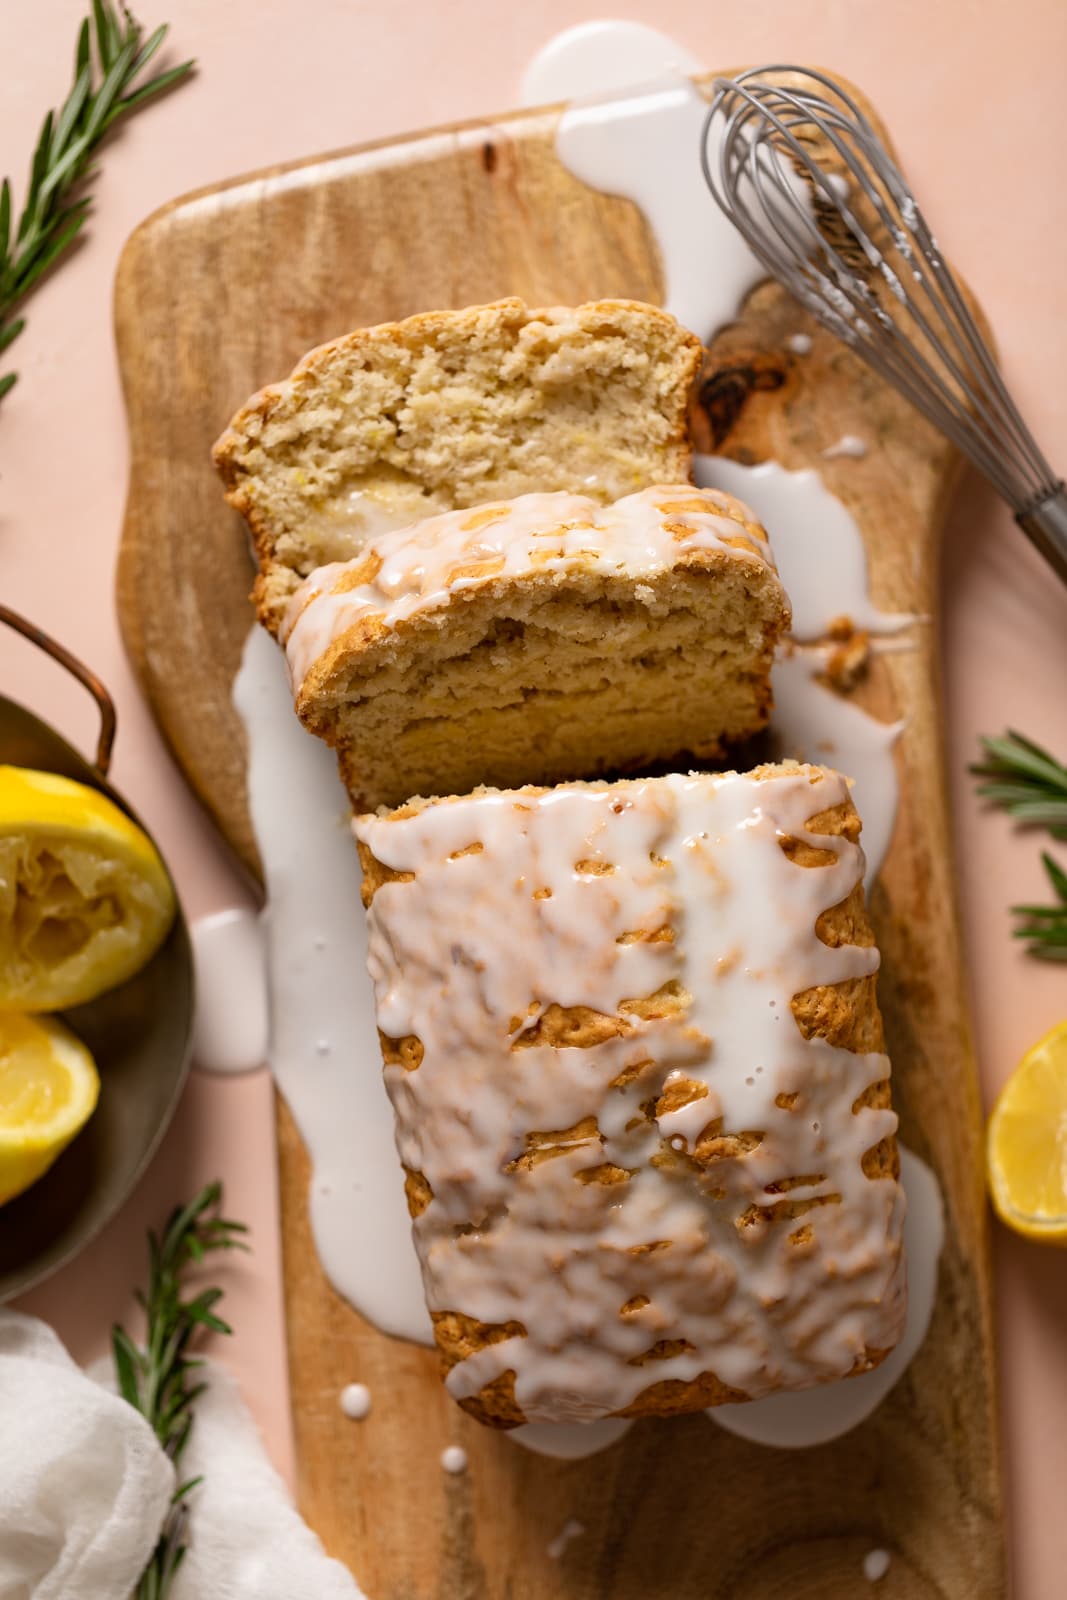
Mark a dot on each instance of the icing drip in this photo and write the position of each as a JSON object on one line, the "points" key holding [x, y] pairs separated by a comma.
{"points": [[849, 444], [570, 1441], [811, 723], [619, 1245], [417, 569], [598, 57], [231, 1026], [323, 1048], [817, 545], [798, 1421]]}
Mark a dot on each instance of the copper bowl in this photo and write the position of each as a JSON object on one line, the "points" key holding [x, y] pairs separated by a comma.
{"points": [[139, 1033]]}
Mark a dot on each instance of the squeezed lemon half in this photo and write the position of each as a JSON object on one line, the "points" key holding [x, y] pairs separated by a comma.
{"points": [[48, 1091], [1027, 1143], [85, 900]]}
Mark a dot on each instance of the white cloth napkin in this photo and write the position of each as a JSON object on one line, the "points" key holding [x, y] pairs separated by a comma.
{"points": [[84, 1488]]}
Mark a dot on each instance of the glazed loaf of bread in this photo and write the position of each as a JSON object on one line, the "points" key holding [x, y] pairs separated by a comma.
{"points": [[539, 639], [391, 424], [632, 1041]]}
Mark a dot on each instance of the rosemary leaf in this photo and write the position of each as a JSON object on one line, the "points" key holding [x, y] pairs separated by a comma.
{"points": [[1031, 785], [1045, 927], [5, 220], [156, 1379], [110, 48], [1028, 782]]}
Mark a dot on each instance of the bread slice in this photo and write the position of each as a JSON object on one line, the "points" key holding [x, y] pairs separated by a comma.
{"points": [[632, 1040], [391, 424], [539, 639]]}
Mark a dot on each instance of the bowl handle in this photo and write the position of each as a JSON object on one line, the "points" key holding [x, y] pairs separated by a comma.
{"points": [[104, 703]]}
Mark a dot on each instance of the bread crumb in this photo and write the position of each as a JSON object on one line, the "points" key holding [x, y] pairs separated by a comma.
{"points": [[848, 660]]}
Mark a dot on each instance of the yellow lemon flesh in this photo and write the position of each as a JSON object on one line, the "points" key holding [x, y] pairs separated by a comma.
{"points": [[85, 900], [48, 1090], [1027, 1143]]}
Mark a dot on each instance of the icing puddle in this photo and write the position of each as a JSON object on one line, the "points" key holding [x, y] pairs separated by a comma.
{"points": [[324, 1048]]}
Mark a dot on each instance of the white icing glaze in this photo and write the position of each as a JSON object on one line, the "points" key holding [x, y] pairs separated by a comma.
{"points": [[817, 545], [645, 145], [356, 1401], [570, 1441], [876, 1564], [849, 444], [230, 1025], [799, 343], [812, 723], [571, 1529], [454, 1459], [799, 1421], [418, 569], [599, 57], [559, 1255], [324, 1048]]}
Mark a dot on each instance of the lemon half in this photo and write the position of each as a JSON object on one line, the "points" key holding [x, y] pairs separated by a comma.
{"points": [[48, 1092], [1027, 1143], [85, 900]]}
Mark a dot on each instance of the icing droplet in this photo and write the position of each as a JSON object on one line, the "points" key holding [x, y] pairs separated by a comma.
{"points": [[571, 1529], [454, 1459], [875, 1565], [356, 1401], [799, 343]]}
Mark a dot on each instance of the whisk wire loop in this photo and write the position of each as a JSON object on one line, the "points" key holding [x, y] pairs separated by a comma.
{"points": [[799, 169]]}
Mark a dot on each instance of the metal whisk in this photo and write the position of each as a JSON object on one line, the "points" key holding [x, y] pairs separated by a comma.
{"points": [[799, 170]]}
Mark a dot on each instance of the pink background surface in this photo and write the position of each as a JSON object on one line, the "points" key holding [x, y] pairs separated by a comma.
{"points": [[975, 96]]}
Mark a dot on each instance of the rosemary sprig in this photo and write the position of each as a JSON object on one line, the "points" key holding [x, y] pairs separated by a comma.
{"points": [[157, 1380], [1028, 782], [109, 59], [1031, 785], [1046, 926]]}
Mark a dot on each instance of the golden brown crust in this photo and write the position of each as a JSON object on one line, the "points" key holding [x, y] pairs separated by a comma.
{"points": [[846, 1014]]}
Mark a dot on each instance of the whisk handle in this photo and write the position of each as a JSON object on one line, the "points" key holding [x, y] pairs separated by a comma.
{"points": [[1045, 523]]}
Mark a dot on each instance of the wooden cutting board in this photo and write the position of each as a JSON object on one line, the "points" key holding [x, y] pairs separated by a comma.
{"points": [[225, 290]]}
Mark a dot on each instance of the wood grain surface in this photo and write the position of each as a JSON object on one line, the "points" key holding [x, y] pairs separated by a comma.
{"points": [[225, 290]]}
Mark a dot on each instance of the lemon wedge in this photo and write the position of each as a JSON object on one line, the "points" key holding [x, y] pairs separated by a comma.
{"points": [[1027, 1143], [85, 900], [48, 1091]]}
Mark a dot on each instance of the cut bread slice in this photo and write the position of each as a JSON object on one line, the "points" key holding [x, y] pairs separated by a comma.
{"points": [[391, 424], [539, 639]]}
